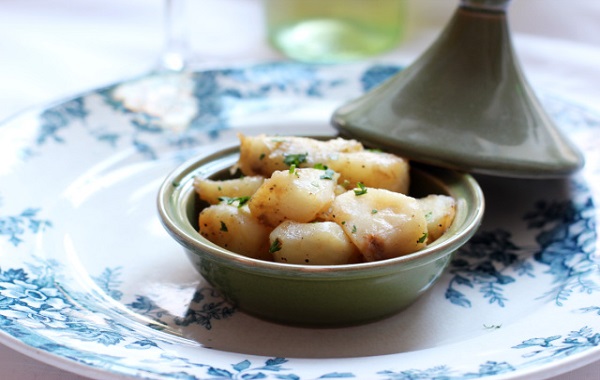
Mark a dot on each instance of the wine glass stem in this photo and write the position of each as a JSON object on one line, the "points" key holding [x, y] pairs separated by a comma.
{"points": [[176, 48]]}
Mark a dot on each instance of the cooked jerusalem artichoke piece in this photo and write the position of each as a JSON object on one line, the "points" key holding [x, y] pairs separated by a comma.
{"points": [[439, 212], [371, 168], [294, 194], [214, 192], [381, 223], [320, 243], [262, 155], [234, 228]]}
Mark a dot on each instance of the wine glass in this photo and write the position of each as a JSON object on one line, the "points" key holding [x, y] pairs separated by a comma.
{"points": [[176, 45]]}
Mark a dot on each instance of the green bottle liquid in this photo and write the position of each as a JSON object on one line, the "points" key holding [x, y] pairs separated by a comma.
{"points": [[331, 31]]}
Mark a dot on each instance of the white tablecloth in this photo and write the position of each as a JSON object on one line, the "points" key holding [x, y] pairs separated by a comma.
{"points": [[51, 50]]}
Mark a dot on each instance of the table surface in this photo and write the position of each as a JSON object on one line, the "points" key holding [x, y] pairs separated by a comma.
{"points": [[53, 50]]}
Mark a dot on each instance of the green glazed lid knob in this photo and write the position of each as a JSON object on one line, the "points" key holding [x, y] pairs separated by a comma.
{"points": [[489, 5]]}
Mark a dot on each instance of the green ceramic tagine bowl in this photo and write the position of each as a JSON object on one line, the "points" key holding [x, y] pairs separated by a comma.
{"points": [[334, 295]]}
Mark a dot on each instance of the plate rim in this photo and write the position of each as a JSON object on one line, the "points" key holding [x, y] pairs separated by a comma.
{"points": [[71, 365]]}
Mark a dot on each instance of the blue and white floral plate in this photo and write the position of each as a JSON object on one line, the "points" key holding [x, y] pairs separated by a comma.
{"points": [[90, 282]]}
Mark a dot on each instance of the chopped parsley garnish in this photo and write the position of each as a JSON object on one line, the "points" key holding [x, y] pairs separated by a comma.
{"points": [[231, 200], [320, 166], [361, 189], [275, 246], [353, 228], [422, 238], [224, 227], [374, 211], [490, 327], [328, 174], [429, 216], [295, 159], [262, 156]]}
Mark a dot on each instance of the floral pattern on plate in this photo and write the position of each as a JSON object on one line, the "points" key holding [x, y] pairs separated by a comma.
{"points": [[90, 279]]}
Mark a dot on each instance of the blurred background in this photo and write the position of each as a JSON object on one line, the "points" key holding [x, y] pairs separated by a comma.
{"points": [[53, 49]]}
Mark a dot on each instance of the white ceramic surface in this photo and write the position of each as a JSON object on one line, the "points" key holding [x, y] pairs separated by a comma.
{"points": [[91, 282], [43, 59]]}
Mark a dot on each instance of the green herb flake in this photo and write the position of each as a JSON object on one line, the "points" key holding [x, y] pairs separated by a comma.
{"points": [[292, 168], [361, 189], [328, 174], [491, 327], [262, 156], [429, 216], [224, 227], [275, 246], [243, 200], [295, 159], [423, 238], [353, 228], [374, 211], [231, 200]]}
